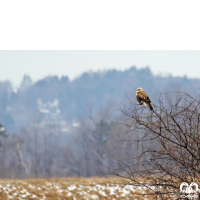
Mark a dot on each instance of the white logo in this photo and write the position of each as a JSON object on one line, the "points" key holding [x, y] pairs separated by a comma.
{"points": [[189, 191]]}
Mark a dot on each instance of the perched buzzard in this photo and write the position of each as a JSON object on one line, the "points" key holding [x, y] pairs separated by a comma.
{"points": [[143, 98]]}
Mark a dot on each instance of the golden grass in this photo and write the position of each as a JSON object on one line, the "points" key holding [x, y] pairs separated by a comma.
{"points": [[68, 189]]}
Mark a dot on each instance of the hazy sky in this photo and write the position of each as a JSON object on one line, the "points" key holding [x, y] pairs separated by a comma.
{"points": [[38, 64]]}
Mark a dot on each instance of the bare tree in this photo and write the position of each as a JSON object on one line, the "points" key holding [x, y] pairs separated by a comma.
{"points": [[168, 140]]}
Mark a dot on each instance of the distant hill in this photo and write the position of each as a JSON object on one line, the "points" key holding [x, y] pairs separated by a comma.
{"points": [[90, 90]]}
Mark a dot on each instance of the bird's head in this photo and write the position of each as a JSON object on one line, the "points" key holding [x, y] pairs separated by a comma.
{"points": [[139, 89]]}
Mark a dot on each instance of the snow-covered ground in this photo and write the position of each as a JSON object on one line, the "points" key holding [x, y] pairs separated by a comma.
{"points": [[60, 190]]}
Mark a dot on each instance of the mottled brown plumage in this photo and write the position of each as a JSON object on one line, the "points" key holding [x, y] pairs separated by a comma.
{"points": [[143, 98]]}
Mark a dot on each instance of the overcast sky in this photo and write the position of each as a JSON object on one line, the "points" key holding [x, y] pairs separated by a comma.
{"points": [[38, 64]]}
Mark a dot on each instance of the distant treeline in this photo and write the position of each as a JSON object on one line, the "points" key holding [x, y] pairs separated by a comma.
{"points": [[91, 90]]}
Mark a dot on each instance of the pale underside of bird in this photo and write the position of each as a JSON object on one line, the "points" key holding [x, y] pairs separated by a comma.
{"points": [[143, 98]]}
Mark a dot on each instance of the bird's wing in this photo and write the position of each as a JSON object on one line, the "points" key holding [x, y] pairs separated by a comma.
{"points": [[144, 97]]}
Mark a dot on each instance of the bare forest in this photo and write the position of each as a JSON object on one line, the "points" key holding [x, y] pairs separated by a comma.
{"points": [[93, 126]]}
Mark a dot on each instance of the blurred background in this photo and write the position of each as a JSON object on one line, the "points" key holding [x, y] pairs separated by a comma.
{"points": [[60, 109]]}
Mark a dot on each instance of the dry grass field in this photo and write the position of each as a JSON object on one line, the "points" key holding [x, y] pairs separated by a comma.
{"points": [[68, 188]]}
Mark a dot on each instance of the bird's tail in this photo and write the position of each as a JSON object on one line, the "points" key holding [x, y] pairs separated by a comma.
{"points": [[149, 105]]}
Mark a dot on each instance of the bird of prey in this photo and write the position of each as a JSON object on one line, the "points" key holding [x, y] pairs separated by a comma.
{"points": [[2, 129], [143, 98]]}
